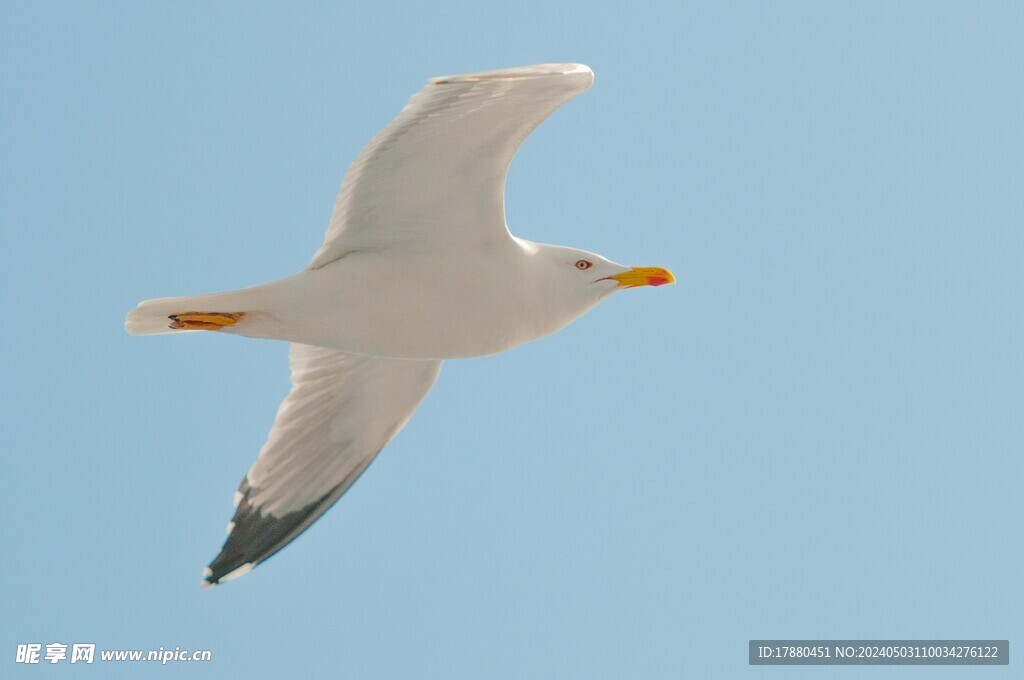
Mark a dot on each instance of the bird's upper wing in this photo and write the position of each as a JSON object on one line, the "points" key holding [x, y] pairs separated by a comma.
{"points": [[342, 409], [436, 175]]}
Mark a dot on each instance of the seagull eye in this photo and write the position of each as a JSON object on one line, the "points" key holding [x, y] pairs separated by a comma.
{"points": [[583, 265]]}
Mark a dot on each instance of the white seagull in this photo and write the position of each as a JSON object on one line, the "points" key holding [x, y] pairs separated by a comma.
{"points": [[417, 266]]}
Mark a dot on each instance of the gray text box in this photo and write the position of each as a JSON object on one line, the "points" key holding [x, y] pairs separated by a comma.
{"points": [[879, 652]]}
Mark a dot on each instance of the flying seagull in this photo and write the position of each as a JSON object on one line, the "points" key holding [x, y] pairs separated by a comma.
{"points": [[417, 266]]}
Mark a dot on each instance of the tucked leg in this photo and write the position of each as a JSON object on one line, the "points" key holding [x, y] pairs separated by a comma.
{"points": [[204, 321]]}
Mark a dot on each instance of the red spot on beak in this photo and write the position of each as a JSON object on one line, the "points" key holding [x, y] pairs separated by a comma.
{"points": [[657, 280]]}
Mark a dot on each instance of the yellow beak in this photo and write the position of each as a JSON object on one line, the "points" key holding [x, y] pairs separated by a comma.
{"points": [[643, 276]]}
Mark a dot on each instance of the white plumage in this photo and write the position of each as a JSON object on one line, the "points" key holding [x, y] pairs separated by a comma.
{"points": [[417, 266]]}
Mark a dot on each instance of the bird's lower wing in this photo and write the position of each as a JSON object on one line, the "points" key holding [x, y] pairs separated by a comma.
{"points": [[342, 410]]}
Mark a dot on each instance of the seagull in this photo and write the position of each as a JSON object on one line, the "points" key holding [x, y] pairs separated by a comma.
{"points": [[418, 266]]}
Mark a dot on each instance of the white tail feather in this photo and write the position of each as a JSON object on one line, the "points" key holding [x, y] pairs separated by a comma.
{"points": [[151, 316]]}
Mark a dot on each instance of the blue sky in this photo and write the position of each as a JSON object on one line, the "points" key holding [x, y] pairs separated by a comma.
{"points": [[816, 434]]}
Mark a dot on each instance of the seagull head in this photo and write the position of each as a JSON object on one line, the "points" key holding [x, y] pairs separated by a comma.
{"points": [[584, 279]]}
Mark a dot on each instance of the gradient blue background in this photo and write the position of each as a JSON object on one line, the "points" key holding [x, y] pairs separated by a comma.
{"points": [[817, 433]]}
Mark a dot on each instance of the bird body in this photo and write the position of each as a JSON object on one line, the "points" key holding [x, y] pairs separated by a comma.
{"points": [[417, 267], [426, 304]]}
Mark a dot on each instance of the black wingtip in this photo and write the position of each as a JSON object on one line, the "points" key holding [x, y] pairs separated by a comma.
{"points": [[210, 579], [254, 537]]}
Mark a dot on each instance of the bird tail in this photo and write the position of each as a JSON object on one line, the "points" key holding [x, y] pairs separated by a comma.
{"points": [[213, 312]]}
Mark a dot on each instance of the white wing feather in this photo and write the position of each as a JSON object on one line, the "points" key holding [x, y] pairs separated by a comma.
{"points": [[436, 175], [342, 410]]}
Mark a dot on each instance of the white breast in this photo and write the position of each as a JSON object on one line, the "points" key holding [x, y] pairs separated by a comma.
{"points": [[418, 307]]}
